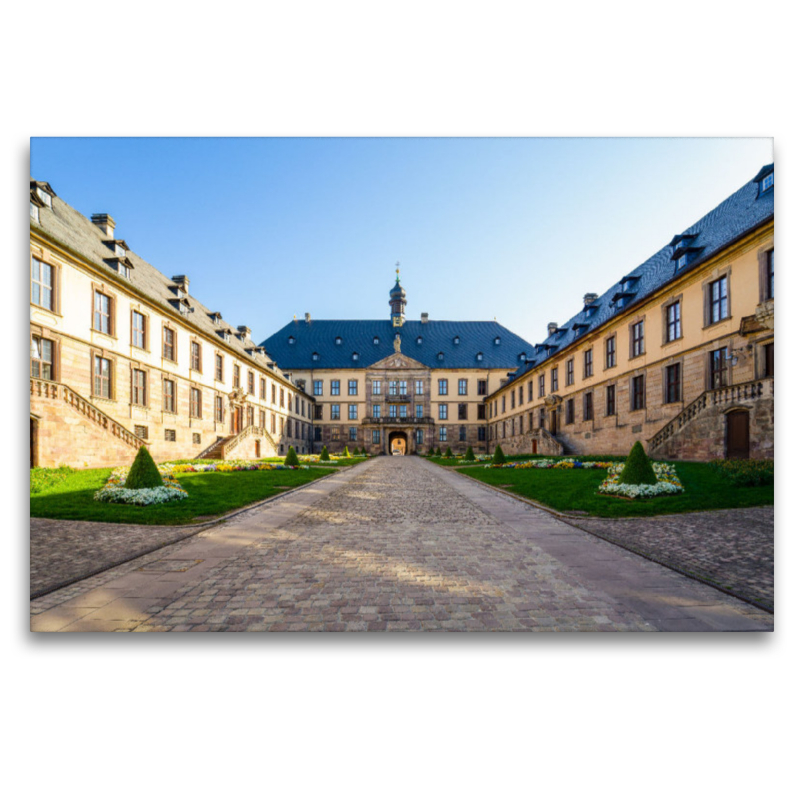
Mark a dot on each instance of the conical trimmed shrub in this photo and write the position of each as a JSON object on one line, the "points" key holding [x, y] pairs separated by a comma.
{"points": [[438, 452], [430, 451], [469, 455], [499, 456], [291, 459], [323, 456], [345, 452], [638, 468], [143, 473], [448, 453]]}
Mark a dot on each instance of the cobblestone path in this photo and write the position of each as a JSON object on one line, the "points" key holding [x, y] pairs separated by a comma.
{"points": [[395, 544]]}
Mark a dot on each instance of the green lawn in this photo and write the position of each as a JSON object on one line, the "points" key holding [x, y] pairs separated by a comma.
{"points": [[575, 490], [211, 494]]}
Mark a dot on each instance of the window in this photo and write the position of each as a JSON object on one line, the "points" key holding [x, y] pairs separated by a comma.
{"points": [[588, 406], [570, 372], [318, 412], [317, 434], [169, 396], [418, 411], [138, 387], [611, 352], [42, 293], [251, 382], [141, 431], [335, 387], [541, 417], [335, 412], [169, 434], [393, 411], [541, 385], [769, 360], [376, 410], [169, 344], [402, 388], [718, 300], [102, 377], [272, 423], [262, 419], [443, 411], [673, 321], [352, 411], [353, 434], [503, 404], [637, 393], [138, 337], [274, 394], [588, 365], [462, 386], [196, 439], [314, 356], [637, 338], [34, 211], [102, 313], [237, 376], [520, 394], [403, 412], [770, 275], [672, 384], [443, 386], [218, 366], [194, 352], [355, 356], [419, 436], [479, 357], [513, 399], [462, 433], [219, 413], [611, 400], [719, 368], [530, 391], [338, 340], [440, 356], [481, 411], [335, 434], [419, 387], [462, 411], [352, 387], [317, 388], [42, 359], [554, 379], [376, 437], [442, 434], [768, 182], [262, 389], [196, 404], [376, 387], [392, 387], [375, 340], [570, 411], [481, 434]]}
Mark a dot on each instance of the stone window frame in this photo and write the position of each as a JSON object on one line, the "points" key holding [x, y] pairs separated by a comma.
{"points": [[443, 433], [41, 332], [463, 412], [262, 389], [55, 291], [136, 309], [112, 372], [442, 411], [273, 426], [100, 288], [715, 276], [569, 411], [588, 406], [612, 337], [613, 387], [530, 390], [352, 411], [588, 362], [192, 389], [569, 372], [485, 387], [639, 374], [165, 379], [352, 387], [136, 366], [554, 379], [763, 256], [463, 383], [219, 408], [237, 376], [251, 382], [443, 383], [481, 411], [675, 299], [336, 411], [336, 388], [520, 399], [166, 326], [673, 362], [219, 361], [513, 396], [542, 380], [640, 320], [726, 372], [194, 340]]}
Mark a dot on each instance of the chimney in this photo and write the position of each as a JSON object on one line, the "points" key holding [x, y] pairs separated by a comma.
{"points": [[244, 332], [424, 317], [308, 317], [588, 299], [105, 223], [182, 282], [552, 327]]}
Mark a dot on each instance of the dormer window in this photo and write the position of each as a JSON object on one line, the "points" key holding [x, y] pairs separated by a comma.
{"points": [[226, 336], [456, 340], [124, 270], [119, 250], [216, 318], [34, 212], [338, 340], [355, 356], [768, 182], [522, 357], [479, 357], [376, 340], [440, 356], [291, 340], [419, 340], [497, 340], [44, 197], [315, 356]]}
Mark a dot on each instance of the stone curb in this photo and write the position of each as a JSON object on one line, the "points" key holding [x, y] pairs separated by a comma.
{"points": [[571, 519], [195, 529]]}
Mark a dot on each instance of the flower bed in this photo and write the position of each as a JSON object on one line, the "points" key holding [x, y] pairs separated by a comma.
{"points": [[668, 483], [227, 466], [746, 471], [549, 463], [115, 492]]}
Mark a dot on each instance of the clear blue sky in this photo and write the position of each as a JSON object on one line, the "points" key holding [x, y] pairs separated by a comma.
{"points": [[517, 229]]}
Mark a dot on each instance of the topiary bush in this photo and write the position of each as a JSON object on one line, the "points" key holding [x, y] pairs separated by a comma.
{"points": [[291, 459], [469, 455], [345, 452], [144, 473], [448, 453], [438, 452], [430, 452], [499, 456], [323, 456], [637, 469]]}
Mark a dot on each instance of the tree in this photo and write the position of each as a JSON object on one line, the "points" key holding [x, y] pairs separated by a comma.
{"points": [[291, 459], [143, 473], [430, 451], [637, 469], [345, 452], [448, 453], [438, 453], [498, 457], [470, 455], [323, 456]]}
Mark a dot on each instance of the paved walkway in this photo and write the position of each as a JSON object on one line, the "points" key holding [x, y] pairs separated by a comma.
{"points": [[393, 544]]}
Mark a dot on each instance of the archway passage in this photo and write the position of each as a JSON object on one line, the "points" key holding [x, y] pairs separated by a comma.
{"points": [[398, 443]]}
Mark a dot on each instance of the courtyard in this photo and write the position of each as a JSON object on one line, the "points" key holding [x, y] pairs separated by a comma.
{"points": [[392, 544]]}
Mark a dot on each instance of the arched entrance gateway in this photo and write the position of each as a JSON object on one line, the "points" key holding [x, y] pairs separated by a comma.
{"points": [[398, 443]]}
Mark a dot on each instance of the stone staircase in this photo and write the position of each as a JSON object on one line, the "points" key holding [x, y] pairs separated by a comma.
{"points": [[221, 449]]}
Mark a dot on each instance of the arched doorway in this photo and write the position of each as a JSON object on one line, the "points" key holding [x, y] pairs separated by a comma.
{"points": [[398, 443]]}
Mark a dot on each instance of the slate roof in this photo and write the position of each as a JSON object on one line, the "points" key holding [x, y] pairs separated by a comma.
{"points": [[733, 218], [319, 336], [70, 228]]}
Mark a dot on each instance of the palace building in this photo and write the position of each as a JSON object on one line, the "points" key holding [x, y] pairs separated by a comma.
{"points": [[122, 356], [678, 354], [395, 385]]}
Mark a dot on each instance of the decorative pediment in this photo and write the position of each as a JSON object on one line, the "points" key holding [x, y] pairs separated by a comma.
{"points": [[552, 400], [397, 361], [238, 395]]}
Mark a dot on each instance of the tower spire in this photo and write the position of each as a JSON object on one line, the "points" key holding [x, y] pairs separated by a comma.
{"points": [[397, 300]]}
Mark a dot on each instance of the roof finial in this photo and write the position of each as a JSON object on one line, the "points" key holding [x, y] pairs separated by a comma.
{"points": [[397, 264]]}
